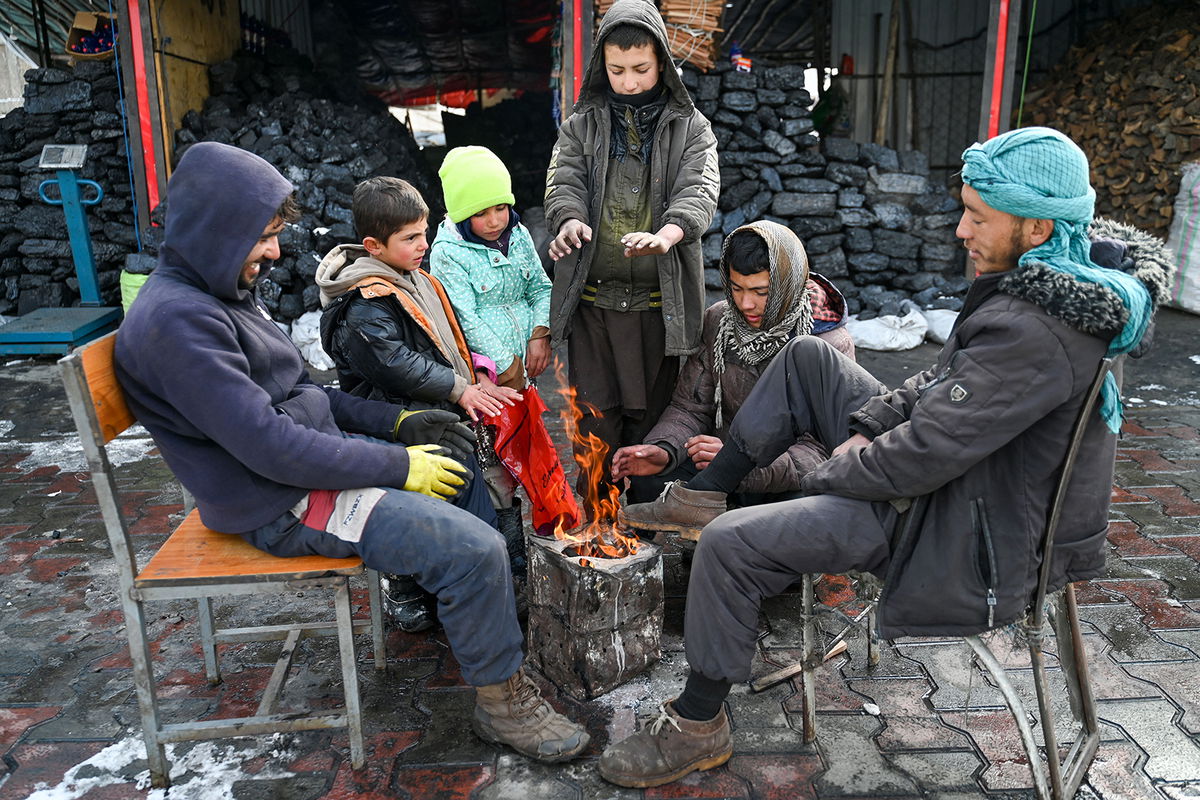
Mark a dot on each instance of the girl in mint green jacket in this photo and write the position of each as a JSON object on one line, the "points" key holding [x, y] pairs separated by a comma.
{"points": [[486, 260]]}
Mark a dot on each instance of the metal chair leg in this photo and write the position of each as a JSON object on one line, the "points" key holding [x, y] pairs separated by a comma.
{"points": [[379, 648], [810, 660], [208, 642], [345, 624], [143, 682]]}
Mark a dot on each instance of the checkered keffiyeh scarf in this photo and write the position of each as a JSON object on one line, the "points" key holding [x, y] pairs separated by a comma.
{"points": [[1039, 173], [788, 313]]}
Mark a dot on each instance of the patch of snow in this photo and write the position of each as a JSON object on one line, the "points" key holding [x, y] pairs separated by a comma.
{"points": [[206, 770], [1134, 400], [66, 453], [1160, 402], [1153, 387], [6, 426], [871, 709]]}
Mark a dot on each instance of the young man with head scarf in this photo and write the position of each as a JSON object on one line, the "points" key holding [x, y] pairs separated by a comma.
{"points": [[770, 299], [942, 486]]}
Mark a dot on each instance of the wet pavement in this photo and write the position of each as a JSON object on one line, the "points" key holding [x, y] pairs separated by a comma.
{"points": [[924, 723]]}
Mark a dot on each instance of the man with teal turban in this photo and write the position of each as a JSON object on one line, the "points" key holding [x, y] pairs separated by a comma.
{"points": [[942, 486]]}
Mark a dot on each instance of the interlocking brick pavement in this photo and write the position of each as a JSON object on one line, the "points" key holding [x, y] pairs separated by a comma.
{"points": [[69, 720]]}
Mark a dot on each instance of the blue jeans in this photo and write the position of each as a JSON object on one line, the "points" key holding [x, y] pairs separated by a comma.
{"points": [[451, 553]]}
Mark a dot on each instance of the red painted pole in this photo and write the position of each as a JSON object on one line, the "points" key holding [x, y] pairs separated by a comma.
{"points": [[145, 125], [998, 70], [577, 41]]}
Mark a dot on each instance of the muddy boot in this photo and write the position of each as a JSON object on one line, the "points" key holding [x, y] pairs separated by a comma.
{"points": [[667, 749], [515, 713], [676, 509], [512, 528], [409, 607]]}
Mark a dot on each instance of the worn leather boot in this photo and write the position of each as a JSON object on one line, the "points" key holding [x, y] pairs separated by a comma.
{"points": [[512, 528], [407, 605], [666, 749], [676, 509], [515, 713]]}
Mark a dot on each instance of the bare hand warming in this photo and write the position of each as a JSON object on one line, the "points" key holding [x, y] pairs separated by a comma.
{"points": [[537, 356], [857, 440], [644, 243], [486, 399], [571, 236], [639, 459], [703, 449]]}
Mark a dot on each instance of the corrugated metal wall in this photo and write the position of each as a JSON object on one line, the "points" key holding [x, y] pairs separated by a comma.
{"points": [[940, 64], [287, 15]]}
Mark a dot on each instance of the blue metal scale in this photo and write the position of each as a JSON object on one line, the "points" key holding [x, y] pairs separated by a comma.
{"points": [[58, 330]]}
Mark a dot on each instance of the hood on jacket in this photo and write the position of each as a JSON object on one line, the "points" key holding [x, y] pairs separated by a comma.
{"points": [[219, 200], [346, 265], [642, 14]]}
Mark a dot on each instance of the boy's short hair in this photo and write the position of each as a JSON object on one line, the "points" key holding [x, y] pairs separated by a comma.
{"points": [[383, 205], [627, 37], [746, 253]]}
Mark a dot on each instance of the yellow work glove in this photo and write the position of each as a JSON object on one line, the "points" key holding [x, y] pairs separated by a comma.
{"points": [[433, 474]]}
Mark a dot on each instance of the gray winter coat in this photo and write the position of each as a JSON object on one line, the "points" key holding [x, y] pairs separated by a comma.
{"points": [[683, 174], [978, 442]]}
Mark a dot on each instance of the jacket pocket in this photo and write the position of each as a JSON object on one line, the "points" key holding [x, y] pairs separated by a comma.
{"points": [[985, 555]]}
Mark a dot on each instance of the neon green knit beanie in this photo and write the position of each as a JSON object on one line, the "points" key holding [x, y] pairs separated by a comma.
{"points": [[474, 178]]}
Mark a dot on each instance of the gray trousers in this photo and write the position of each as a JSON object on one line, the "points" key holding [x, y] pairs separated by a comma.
{"points": [[750, 554]]}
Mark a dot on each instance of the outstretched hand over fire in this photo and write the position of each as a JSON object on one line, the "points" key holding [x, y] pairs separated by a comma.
{"points": [[639, 459]]}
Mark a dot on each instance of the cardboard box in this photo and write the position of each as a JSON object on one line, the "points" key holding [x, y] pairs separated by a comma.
{"points": [[84, 27]]}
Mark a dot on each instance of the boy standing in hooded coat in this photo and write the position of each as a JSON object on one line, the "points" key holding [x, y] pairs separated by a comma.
{"points": [[632, 185]]}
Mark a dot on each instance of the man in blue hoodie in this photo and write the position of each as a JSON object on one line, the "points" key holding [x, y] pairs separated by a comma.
{"points": [[300, 469]]}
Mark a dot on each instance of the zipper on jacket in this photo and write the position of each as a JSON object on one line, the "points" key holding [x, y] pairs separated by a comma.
{"points": [[979, 521]]}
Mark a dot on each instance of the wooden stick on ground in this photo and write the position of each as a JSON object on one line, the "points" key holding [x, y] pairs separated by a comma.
{"points": [[781, 675]]}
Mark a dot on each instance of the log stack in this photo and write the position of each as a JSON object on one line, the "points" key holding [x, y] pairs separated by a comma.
{"points": [[692, 28], [1130, 97]]}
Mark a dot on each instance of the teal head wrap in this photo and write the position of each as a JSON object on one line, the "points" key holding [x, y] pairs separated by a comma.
{"points": [[1041, 174]]}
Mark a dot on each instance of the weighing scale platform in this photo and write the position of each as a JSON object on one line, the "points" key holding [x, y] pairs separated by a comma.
{"points": [[56, 330]]}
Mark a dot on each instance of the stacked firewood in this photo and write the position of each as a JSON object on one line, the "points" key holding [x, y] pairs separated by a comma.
{"points": [[692, 28], [1130, 96]]}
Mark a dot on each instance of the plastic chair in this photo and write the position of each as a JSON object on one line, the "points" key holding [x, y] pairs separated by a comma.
{"points": [[1059, 780], [196, 562]]}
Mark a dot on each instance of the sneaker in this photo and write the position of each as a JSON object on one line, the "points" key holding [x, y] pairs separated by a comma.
{"points": [[515, 713], [667, 749], [409, 607], [678, 508]]}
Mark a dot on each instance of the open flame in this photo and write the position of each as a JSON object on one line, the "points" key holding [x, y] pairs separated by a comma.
{"points": [[599, 538]]}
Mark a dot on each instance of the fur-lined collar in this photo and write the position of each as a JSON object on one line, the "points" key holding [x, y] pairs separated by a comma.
{"points": [[1089, 307]]}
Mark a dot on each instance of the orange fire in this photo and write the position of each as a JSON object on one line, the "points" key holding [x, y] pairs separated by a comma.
{"points": [[599, 538]]}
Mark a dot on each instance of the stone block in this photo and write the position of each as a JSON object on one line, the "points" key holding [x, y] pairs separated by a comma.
{"points": [[794, 204], [796, 127], [893, 215], [712, 248], [895, 243], [859, 240], [783, 78], [876, 155], [846, 174], [793, 112], [941, 252], [868, 262], [591, 628], [856, 217], [914, 162], [768, 120], [733, 220], [898, 182], [739, 101], [806, 227], [839, 149], [708, 87], [823, 244], [831, 264], [771, 97], [727, 118], [918, 282], [850, 198], [739, 81], [778, 143], [770, 176], [810, 185]]}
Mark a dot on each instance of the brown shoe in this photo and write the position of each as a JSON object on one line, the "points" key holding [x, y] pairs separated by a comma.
{"points": [[667, 749], [676, 509], [515, 713]]}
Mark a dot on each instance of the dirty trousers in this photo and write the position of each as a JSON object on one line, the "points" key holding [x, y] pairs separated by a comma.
{"points": [[750, 554], [450, 551]]}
